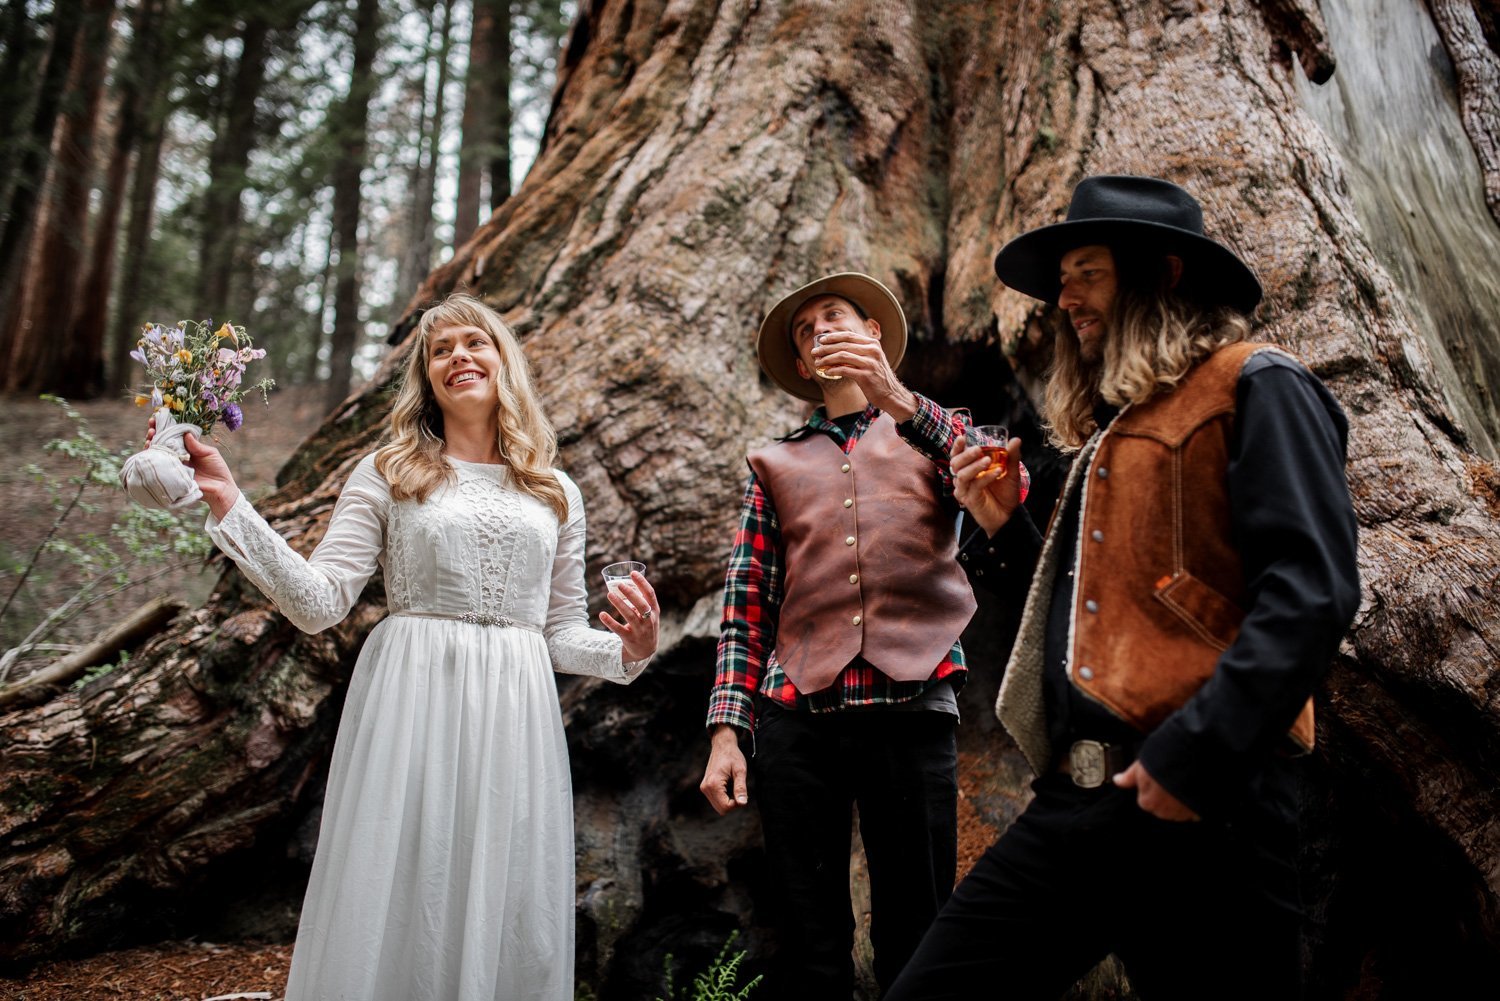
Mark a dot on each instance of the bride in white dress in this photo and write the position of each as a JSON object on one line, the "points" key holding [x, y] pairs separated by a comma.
{"points": [[444, 868]]}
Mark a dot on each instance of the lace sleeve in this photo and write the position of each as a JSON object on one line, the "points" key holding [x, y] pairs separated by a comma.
{"points": [[576, 648], [318, 591]]}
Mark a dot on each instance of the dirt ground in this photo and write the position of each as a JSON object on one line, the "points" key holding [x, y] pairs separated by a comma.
{"points": [[175, 971]]}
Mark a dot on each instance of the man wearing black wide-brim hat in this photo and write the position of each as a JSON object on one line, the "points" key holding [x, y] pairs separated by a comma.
{"points": [[1195, 580], [843, 605]]}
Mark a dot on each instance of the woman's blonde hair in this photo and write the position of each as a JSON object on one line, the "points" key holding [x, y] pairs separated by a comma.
{"points": [[1154, 337], [412, 463]]}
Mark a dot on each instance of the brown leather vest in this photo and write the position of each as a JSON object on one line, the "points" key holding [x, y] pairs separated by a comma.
{"points": [[870, 557], [1160, 590]]}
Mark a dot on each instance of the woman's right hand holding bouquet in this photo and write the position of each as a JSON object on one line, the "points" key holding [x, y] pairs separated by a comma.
{"points": [[210, 471]]}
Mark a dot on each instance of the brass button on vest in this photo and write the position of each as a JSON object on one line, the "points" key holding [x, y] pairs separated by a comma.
{"points": [[849, 541], [1097, 536], [857, 620], [1086, 673], [844, 468], [1091, 605], [848, 501], [1103, 473], [854, 578]]}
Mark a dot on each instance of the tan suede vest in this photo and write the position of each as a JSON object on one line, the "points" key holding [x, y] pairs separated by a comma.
{"points": [[1160, 590], [871, 566]]}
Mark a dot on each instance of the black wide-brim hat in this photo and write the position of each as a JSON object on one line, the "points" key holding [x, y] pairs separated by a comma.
{"points": [[1144, 212]]}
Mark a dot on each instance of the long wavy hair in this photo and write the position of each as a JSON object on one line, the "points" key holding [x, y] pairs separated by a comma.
{"points": [[412, 462], [1155, 336]]}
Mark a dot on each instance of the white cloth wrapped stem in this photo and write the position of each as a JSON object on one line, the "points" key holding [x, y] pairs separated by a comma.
{"points": [[158, 476]]}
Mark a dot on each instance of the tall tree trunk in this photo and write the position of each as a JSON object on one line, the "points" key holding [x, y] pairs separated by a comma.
{"points": [[423, 185], [228, 167], [85, 345], [701, 159], [349, 133], [325, 298], [479, 119], [42, 310], [35, 162], [18, 89], [142, 206], [499, 71]]}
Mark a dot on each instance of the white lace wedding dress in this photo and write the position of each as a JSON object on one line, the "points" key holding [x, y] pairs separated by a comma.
{"points": [[444, 868]]}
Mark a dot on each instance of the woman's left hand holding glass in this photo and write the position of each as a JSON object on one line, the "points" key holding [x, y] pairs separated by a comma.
{"points": [[640, 616]]}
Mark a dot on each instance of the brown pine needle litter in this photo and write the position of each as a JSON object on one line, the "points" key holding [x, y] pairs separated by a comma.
{"points": [[170, 971]]}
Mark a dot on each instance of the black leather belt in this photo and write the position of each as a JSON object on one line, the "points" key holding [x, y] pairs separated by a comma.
{"points": [[1091, 763]]}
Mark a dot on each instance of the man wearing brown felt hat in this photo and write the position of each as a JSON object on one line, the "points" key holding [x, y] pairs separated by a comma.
{"points": [[1195, 581], [839, 647]]}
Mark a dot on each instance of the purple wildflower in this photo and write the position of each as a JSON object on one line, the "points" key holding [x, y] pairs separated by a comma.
{"points": [[233, 416]]}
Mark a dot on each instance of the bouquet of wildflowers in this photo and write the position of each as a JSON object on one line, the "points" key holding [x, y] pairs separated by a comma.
{"points": [[197, 373], [196, 376]]}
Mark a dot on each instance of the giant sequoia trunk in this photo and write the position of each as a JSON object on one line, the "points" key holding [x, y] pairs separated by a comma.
{"points": [[704, 156]]}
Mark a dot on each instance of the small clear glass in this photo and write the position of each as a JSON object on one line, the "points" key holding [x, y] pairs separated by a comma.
{"points": [[619, 573], [991, 440], [822, 373]]}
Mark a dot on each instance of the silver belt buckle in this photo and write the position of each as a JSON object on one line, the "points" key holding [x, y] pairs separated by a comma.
{"points": [[1087, 763]]}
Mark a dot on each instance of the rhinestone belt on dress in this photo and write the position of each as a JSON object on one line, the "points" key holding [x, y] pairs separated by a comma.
{"points": [[475, 619]]}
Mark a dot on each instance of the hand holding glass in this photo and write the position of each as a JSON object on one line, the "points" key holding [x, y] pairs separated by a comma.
{"points": [[619, 573], [990, 439], [823, 373]]}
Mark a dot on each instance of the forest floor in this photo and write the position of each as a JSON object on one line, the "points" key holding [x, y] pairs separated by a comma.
{"points": [[170, 971]]}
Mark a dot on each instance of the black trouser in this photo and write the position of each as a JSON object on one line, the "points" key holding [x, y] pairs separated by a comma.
{"points": [[1194, 910], [901, 770]]}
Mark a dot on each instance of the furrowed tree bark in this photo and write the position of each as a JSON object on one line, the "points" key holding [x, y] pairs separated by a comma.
{"points": [[701, 159], [1475, 52]]}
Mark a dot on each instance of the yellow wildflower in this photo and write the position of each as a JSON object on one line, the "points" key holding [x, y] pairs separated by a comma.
{"points": [[141, 401], [225, 331], [174, 403], [185, 356]]}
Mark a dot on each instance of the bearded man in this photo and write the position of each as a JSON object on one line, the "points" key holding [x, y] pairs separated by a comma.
{"points": [[1194, 583]]}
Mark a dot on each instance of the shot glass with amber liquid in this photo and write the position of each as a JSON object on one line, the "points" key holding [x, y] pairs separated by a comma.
{"points": [[823, 373], [990, 439]]}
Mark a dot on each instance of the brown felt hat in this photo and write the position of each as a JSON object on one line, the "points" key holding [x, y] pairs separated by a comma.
{"points": [[773, 345]]}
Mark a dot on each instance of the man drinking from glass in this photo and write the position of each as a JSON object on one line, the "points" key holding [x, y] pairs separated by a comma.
{"points": [[839, 646]]}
